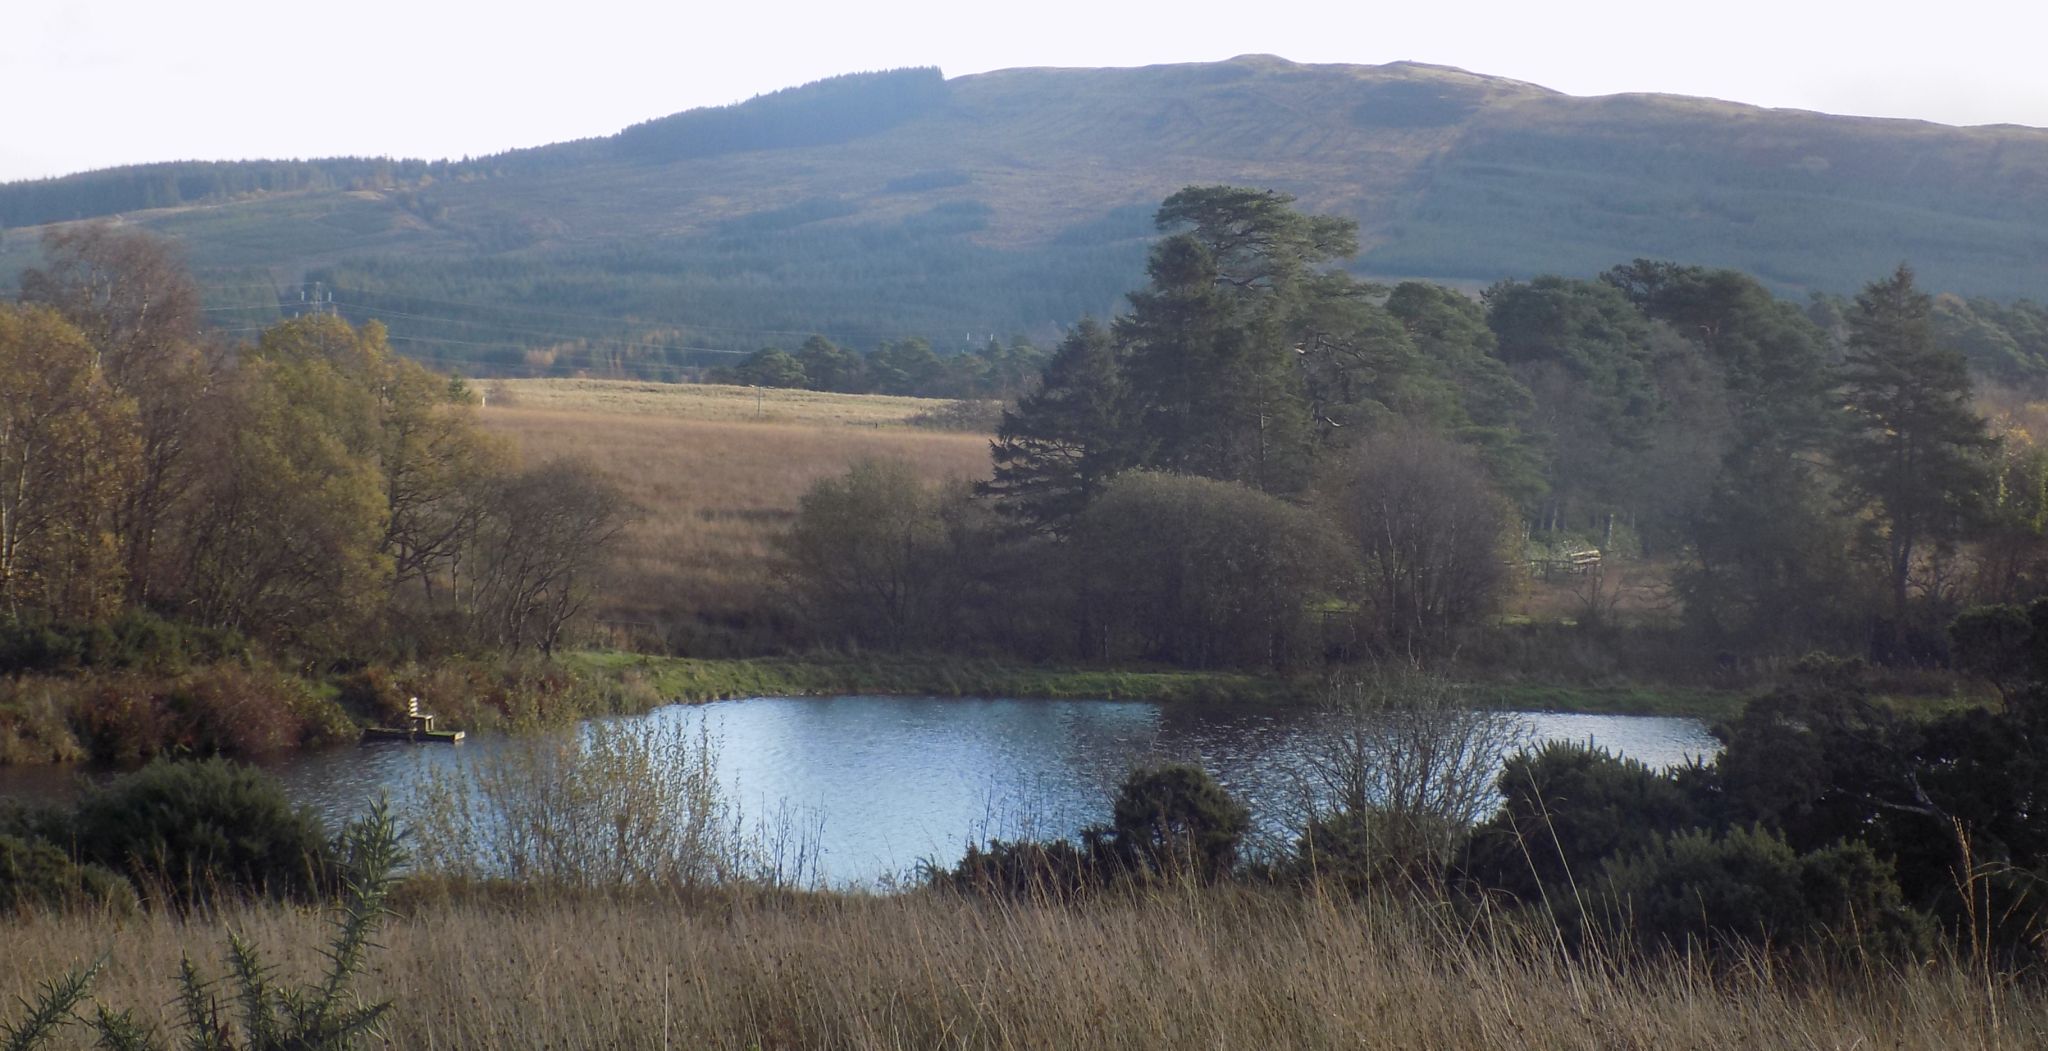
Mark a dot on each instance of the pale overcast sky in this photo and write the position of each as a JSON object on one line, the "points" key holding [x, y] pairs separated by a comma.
{"points": [[93, 83]]}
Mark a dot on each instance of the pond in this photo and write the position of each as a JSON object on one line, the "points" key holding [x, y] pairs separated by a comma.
{"points": [[886, 782]]}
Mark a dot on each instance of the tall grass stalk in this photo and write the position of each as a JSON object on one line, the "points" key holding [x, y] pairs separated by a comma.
{"points": [[1178, 967]]}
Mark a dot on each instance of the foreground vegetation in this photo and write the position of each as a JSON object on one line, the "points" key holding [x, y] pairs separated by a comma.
{"points": [[599, 891], [1185, 968]]}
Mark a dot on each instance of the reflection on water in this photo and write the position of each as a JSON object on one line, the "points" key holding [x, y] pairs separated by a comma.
{"points": [[899, 779]]}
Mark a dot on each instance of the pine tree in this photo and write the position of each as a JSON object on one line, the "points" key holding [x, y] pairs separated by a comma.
{"points": [[1055, 450], [1914, 454]]}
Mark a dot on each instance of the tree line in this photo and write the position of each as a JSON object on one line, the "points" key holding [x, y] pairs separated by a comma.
{"points": [[1264, 442], [310, 488], [906, 367]]}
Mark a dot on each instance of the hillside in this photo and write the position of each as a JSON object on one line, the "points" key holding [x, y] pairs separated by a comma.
{"points": [[884, 206]]}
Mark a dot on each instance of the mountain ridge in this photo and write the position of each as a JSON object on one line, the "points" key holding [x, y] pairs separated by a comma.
{"points": [[900, 203]]}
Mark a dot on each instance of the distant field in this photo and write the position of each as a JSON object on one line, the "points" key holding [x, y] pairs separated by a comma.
{"points": [[716, 472], [694, 401]]}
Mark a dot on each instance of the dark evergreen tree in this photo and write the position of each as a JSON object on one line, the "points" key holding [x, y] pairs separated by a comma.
{"points": [[1242, 351], [908, 367], [1763, 550], [1584, 353], [1062, 442], [1914, 455], [767, 367], [829, 366], [1461, 387]]}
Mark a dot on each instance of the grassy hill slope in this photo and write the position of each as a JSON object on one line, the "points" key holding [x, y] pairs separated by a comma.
{"points": [[884, 206]]}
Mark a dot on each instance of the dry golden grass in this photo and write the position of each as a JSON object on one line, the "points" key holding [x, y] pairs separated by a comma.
{"points": [[706, 401], [1223, 969], [714, 486]]}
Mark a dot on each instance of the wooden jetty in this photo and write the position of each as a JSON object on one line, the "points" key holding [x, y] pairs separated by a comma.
{"points": [[419, 729]]}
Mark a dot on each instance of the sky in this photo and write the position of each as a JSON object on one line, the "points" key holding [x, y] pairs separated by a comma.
{"points": [[95, 83]]}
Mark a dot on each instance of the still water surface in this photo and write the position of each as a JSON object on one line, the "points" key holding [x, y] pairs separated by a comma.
{"points": [[889, 781]]}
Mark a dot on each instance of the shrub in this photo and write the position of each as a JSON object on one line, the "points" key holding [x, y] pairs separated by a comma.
{"points": [[1366, 848], [483, 695], [1432, 532], [193, 830], [219, 709], [878, 558], [609, 805], [1565, 809], [1813, 761], [225, 709], [119, 719], [1205, 573], [328, 1014], [34, 722], [374, 694], [1750, 887], [1177, 822], [1029, 870], [135, 640], [34, 873]]}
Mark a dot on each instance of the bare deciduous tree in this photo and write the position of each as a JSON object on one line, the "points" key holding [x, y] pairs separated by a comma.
{"points": [[1403, 766], [1432, 533], [545, 535]]}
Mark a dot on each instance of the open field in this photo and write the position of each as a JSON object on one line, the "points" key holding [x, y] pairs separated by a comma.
{"points": [[706, 401], [1210, 969], [714, 483]]}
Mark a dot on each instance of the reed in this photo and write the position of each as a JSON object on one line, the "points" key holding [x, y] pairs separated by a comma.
{"points": [[1221, 967]]}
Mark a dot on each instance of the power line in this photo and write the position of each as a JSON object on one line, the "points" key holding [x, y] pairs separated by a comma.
{"points": [[494, 327], [612, 319]]}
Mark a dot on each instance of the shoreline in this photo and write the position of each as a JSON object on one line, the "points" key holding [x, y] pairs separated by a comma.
{"points": [[696, 680], [592, 683]]}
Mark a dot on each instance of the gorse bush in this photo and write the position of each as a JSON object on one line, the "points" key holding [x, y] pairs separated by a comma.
{"points": [[266, 1014], [1747, 887], [1565, 808], [37, 874], [1170, 825], [1176, 822], [1029, 870], [189, 832]]}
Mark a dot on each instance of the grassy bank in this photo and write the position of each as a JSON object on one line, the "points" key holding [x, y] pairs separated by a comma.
{"points": [[1224, 968], [685, 679]]}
